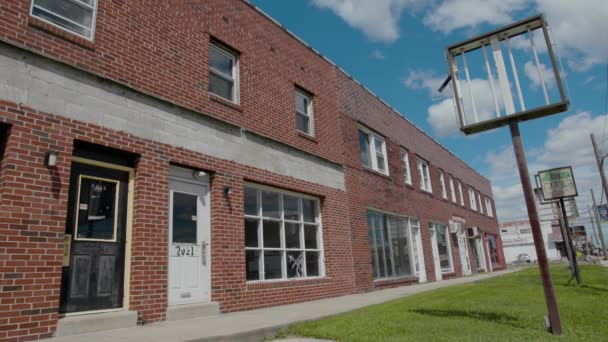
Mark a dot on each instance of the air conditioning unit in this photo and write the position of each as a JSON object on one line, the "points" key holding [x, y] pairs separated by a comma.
{"points": [[472, 232]]}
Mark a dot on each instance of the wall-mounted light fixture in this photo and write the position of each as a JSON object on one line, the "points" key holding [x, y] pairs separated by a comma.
{"points": [[50, 159], [199, 174], [227, 190]]}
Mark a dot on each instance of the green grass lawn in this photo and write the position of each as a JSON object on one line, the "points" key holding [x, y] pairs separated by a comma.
{"points": [[507, 308]]}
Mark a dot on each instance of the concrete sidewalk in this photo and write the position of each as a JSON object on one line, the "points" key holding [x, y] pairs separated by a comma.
{"points": [[257, 324]]}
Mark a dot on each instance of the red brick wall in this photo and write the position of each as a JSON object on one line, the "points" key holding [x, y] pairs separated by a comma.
{"points": [[162, 48], [370, 189], [33, 208]]}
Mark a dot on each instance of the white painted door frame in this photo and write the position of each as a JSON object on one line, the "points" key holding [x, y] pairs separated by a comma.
{"points": [[437, 263], [189, 269], [463, 248]]}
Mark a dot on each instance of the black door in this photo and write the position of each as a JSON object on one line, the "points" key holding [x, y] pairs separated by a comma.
{"points": [[96, 224]]}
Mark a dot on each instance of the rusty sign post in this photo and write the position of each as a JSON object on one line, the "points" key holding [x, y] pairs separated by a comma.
{"points": [[473, 119]]}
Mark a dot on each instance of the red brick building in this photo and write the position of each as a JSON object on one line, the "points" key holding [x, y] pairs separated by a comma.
{"points": [[154, 164]]}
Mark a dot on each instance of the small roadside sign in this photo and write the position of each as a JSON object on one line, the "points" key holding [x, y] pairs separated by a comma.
{"points": [[557, 183], [603, 211]]}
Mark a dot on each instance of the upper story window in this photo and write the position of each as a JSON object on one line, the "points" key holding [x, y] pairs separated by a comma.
{"points": [[75, 16], [444, 193], [304, 121], [373, 150], [425, 175], [405, 164], [489, 210], [460, 193], [283, 237], [472, 199], [479, 201], [223, 73], [452, 190]]}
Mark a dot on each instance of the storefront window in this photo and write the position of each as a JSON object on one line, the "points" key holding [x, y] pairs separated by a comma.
{"points": [[283, 238], [392, 245]]}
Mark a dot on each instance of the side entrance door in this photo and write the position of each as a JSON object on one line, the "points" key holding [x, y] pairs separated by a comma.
{"points": [[463, 248], [438, 275], [189, 238], [93, 272]]}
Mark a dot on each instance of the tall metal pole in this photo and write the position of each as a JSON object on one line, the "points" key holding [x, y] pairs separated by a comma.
{"points": [[576, 270], [599, 224], [604, 185], [539, 244], [592, 219]]}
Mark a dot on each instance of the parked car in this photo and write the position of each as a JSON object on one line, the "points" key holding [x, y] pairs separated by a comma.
{"points": [[523, 258]]}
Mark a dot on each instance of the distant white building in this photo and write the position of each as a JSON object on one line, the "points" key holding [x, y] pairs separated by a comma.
{"points": [[517, 239]]}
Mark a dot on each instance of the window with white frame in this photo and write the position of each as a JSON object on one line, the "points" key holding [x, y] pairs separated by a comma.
{"points": [[283, 238], [373, 150], [304, 119], [393, 246], [223, 73], [452, 190], [489, 210], [472, 199], [405, 164], [444, 193], [75, 16], [444, 246], [425, 175], [460, 193], [480, 203]]}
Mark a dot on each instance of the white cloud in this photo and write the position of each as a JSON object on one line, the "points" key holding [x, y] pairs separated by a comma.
{"points": [[379, 19], [566, 144], [532, 73], [377, 54], [442, 116], [426, 80], [578, 30], [576, 26], [456, 14]]}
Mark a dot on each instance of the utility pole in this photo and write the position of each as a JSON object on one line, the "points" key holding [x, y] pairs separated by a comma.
{"points": [[576, 270], [599, 224], [604, 185], [592, 219]]}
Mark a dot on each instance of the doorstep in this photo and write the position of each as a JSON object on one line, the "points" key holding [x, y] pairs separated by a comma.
{"points": [[189, 311], [96, 321]]}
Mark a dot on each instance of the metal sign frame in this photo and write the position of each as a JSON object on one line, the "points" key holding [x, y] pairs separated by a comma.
{"points": [[495, 37], [538, 177]]}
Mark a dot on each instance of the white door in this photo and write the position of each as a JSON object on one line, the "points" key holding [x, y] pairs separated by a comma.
{"points": [[436, 254], [419, 264], [463, 248], [481, 256], [189, 237], [487, 254]]}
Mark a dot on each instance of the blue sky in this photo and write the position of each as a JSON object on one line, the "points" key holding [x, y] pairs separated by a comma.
{"points": [[396, 49]]}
